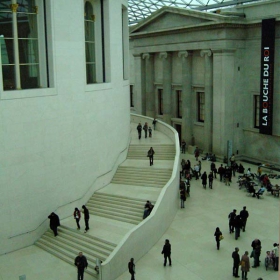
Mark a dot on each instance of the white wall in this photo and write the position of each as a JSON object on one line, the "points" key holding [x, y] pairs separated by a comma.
{"points": [[54, 148]]}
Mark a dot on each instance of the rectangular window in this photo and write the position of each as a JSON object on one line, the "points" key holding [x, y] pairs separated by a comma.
{"points": [[23, 46], [160, 101], [256, 111], [179, 103], [200, 106], [94, 41], [131, 96]]}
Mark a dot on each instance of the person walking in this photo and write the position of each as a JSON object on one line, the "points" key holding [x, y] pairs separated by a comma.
{"points": [[276, 254], [196, 153], [154, 123], [166, 251], [183, 197], [77, 217], [256, 245], [131, 268], [221, 172], [237, 225], [210, 179], [81, 263], [218, 237], [213, 169], [244, 214], [245, 265], [150, 155], [231, 218], [139, 129], [236, 262], [54, 222], [86, 217], [204, 179], [145, 128], [183, 145], [150, 132]]}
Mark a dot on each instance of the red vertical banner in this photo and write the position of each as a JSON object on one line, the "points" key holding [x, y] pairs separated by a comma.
{"points": [[267, 76]]}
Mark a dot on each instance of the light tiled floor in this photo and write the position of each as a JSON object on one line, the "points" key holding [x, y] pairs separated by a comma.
{"points": [[194, 254]]}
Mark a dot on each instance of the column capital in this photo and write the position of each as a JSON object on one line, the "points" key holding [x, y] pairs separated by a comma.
{"points": [[14, 7], [184, 54], [164, 55], [205, 53], [147, 56]]}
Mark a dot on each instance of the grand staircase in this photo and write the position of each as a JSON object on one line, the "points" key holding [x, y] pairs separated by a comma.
{"points": [[122, 209]]}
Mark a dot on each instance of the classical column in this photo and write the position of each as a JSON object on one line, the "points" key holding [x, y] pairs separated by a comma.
{"points": [[139, 87], [187, 124], [14, 7], [208, 92], [167, 91], [225, 102], [149, 86]]}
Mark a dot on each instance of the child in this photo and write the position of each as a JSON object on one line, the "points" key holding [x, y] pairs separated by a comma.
{"points": [[150, 131]]}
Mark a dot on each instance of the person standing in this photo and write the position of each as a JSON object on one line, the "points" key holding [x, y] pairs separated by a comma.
{"points": [[139, 129], [218, 237], [150, 132], [210, 179], [231, 218], [131, 268], [232, 159], [77, 217], [276, 254], [244, 214], [145, 128], [256, 245], [226, 176], [196, 153], [213, 168], [154, 123], [183, 145], [236, 262], [81, 263], [166, 251], [221, 172], [204, 179], [54, 222], [182, 197], [237, 225], [86, 217], [245, 265], [150, 155]]}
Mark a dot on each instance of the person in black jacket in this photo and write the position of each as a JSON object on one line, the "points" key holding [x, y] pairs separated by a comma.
{"points": [[86, 217], [237, 225], [166, 251], [244, 214], [139, 129], [231, 218], [204, 179], [218, 237], [54, 222], [236, 262], [131, 268], [81, 263]]}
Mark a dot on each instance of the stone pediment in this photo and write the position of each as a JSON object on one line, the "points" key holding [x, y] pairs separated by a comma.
{"points": [[172, 18]]}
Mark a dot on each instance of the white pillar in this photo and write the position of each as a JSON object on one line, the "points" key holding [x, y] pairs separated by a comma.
{"points": [[14, 8], [167, 91], [187, 110], [149, 85], [208, 92]]}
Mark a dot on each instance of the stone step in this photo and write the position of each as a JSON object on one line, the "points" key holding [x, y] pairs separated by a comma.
{"points": [[64, 255], [115, 217], [137, 183], [144, 178], [118, 206], [88, 238], [143, 170], [73, 247]]}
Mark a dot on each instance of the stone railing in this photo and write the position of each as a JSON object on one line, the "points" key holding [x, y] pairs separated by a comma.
{"points": [[138, 241]]}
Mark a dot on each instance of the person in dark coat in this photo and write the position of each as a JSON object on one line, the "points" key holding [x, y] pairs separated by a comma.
{"points": [[131, 268], [231, 218], [244, 214], [81, 263], [139, 129], [145, 128], [245, 265], [54, 222], [151, 153], [77, 217], [218, 235], [182, 197], [204, 179], [256, 245], [221, 171], [236, 262], [210, 179], [166, 251], [86, 217], [237, 225]]}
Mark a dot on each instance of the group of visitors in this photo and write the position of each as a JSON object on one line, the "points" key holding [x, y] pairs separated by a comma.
{"points": [[55, 222], [238, 222], [147, 129], [147, 209]]}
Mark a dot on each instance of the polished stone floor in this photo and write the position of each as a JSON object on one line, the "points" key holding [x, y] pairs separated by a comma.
{"points": [[194, 253]]}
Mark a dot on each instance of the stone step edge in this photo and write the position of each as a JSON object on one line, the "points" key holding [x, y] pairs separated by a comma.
{"points": [[90, 236], [113, 213], [116, 218], [120, 196], [63, 257]]}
